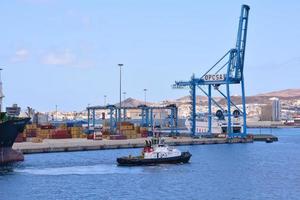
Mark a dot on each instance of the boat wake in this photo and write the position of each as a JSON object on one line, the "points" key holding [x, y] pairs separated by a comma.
{"points": [[80, 170]]}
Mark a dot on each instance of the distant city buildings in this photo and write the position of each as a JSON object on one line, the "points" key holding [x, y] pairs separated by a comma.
{"points": [[269, 109]]}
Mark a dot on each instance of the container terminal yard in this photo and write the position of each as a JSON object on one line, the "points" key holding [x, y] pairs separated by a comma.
{"points": [[115, 129], [227, 125]]}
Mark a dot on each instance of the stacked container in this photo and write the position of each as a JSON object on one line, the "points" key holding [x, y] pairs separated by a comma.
{"points": [[45, 131], [30, 130], [144, 131], [75, 131], [127, 130]]}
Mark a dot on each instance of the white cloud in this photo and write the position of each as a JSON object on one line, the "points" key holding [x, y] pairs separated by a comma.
{"points": [[20, 55], [38, 1], [64, 57]]}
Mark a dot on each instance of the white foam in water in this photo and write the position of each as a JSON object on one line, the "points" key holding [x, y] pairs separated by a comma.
{"points": [[81, 170]]}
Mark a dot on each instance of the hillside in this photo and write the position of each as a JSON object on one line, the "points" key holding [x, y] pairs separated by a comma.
{"points": [[131, 102], [288, 93]]}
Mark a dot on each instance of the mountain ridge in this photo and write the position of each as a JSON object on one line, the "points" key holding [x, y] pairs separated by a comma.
{"points": [[282, 93], [262, 98]]}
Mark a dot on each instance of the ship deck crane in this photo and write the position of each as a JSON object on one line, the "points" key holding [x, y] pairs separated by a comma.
{"points": [[226, 71]]}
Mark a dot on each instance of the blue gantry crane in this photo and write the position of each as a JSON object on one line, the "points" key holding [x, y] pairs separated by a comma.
{"points": [[226, 71], [147, 116]]}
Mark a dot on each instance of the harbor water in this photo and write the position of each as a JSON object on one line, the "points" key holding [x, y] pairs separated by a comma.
{"points": [[222, 171]]}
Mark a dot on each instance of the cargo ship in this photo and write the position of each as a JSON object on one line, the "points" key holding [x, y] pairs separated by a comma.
{"points": [[10, 127]]}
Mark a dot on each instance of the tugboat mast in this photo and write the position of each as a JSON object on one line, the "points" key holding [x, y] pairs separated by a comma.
{"points": [[1, 92]]}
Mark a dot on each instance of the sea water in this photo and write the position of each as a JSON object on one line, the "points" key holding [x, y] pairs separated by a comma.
{"points": [[222, 171]]}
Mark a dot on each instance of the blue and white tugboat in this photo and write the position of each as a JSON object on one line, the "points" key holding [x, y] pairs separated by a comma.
{"points": [[156, 152]]}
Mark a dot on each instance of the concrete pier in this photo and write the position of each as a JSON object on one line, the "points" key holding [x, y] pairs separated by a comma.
{"points": [[67, 145], [265, 137]]}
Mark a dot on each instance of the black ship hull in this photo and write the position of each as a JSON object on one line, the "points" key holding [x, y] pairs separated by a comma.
{"points": [[137, 161], [9, 131]]}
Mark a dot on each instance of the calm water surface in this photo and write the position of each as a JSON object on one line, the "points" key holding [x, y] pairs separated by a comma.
{"points": [[230, 171]]}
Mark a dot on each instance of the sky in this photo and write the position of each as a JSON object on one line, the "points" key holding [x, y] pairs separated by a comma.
{"points": [[66, 52]]}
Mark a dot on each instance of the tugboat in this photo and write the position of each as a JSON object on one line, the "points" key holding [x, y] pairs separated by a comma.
{"points": [[156, 152], [269, 140]]}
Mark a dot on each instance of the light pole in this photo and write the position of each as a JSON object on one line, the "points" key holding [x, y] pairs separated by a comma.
{"points": [[145, 95], [120, 106], [124, 95], [124, 112], [56, 112], [105, 100]]}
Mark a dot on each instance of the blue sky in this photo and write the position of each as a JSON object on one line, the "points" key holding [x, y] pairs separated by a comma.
{"points": [[66, 52]]}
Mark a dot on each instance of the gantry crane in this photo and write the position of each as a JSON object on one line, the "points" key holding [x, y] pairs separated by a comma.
{"points": [[226, 71], [146, 114]]}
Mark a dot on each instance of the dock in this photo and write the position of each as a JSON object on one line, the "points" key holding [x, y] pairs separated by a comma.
{"points": [[265, 137], [80, 144]]}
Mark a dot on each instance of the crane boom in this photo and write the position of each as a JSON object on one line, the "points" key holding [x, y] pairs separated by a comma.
{"points": [[241, 41]]}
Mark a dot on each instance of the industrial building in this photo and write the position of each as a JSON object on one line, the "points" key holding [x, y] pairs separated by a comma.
{"points": [[276, 109]]}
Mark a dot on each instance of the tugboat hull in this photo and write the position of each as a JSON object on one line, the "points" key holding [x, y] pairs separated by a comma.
{"points": [[138, 161]]}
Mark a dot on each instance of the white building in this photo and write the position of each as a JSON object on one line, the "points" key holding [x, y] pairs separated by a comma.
{"points": [[276, 109]]}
